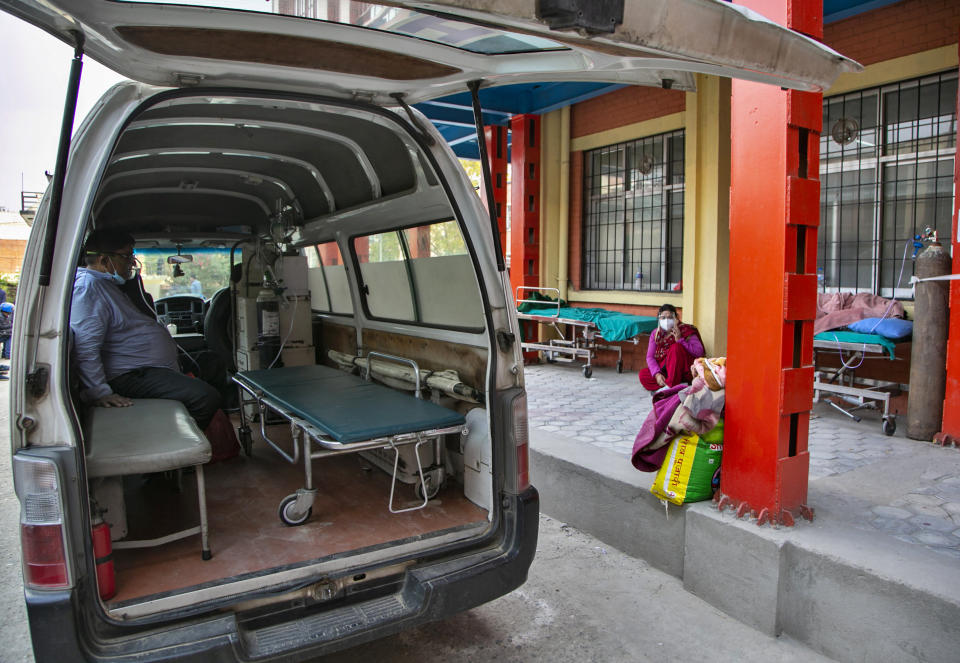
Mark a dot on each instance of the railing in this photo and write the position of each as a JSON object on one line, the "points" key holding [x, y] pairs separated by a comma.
{"points": [[30, 201]]}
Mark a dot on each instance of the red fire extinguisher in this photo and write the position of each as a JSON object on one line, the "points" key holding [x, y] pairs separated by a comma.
{"points": [[103, 554]]}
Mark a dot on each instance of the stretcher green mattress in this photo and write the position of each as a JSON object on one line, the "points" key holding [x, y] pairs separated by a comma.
{"points": [[856, 337], [612, 325], [344, 406]]}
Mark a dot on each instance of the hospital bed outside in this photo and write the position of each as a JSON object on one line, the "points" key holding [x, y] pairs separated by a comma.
{"points": [[322, 407], [584, 337], [833, 382]]}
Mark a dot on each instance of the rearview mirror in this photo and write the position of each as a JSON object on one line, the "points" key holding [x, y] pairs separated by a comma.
{"points": [[179, 259]]}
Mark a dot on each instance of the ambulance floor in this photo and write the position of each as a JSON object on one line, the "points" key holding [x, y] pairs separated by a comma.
{"points": [[246, 534]]}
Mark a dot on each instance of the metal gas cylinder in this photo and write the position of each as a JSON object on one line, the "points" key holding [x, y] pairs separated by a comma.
{"points": [[928, 369], [268, 328]]}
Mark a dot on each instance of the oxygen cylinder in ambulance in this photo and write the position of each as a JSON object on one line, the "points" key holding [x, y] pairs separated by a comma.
{"points": [[268, 328]]}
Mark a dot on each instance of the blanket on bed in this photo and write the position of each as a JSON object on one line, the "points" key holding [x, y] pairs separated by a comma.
{"points": [[840, 309], [612, 325]]}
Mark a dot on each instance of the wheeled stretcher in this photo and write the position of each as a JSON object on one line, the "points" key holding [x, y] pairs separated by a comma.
{"points": [[853, 347], [332, 412], [587, 330]]}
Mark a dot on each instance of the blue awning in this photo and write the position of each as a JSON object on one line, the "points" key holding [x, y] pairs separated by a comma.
{"points": [[453, 114]]}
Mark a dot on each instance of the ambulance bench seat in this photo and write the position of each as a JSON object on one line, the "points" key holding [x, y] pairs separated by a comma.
{"points": [[153, 435]]}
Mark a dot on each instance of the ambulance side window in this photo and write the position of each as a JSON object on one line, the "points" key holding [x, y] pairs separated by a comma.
{"points": [[327, 276]]}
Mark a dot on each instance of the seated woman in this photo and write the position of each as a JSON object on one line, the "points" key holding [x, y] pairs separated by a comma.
{"points": [[671, 351]]}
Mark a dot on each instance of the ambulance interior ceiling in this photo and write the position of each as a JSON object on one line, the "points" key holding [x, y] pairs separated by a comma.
{"points": [[214, 165]]}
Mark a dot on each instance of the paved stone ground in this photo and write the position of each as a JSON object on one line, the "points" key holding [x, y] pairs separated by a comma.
{"points": [[608, 409]]}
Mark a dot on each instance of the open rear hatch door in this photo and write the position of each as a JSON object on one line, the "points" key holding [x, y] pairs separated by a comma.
{"points": [[424, 50]]}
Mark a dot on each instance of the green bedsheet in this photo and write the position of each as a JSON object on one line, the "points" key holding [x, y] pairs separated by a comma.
{"points": [[856, 337], [613, 326]]}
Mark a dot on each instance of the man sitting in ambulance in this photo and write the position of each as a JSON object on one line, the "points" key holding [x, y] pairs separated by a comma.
{"points": [[121, 352]]}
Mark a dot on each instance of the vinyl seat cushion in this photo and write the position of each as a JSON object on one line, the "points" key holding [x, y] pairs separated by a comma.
{"points": [[152, 435]]}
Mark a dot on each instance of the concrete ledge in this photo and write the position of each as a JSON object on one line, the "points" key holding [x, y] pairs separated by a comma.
{"points": [[853, 615], [600, 493], [733, 569], [854, 595]]}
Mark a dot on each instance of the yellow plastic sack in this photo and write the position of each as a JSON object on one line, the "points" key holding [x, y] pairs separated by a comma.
{"points": [[688, 470]]}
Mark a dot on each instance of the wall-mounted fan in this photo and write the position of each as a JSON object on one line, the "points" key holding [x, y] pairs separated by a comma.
{"points": [[845, 130], [645, 166]]}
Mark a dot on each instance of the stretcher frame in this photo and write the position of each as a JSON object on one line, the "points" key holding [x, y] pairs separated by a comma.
{"points": [[296, 508], [832, 382], [581, 345]]}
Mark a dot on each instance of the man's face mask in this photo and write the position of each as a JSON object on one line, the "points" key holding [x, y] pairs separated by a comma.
{"points": [[126, 267], [667, 324]]}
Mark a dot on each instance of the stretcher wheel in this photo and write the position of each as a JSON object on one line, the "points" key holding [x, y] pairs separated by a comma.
{"points": [[246, 440], [549, 356], [889, 426], [619, 366], [433, 487], [287, 516], [587, 371]]}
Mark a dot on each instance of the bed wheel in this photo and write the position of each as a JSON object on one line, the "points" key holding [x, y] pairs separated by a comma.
{"points": [[889, 426], [619, 366], [587, 371], [246, 440], [549, 356], [433, 487], [287, 516]]}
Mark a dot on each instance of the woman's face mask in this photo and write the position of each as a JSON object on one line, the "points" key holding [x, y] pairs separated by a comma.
{"points": [[667, 324]]}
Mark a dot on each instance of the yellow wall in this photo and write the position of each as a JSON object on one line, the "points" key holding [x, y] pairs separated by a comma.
{"points": [[706, 227], [621, 134], [898, 69], [554, 191]]}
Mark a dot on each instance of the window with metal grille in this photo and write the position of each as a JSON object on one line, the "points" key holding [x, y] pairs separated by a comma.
{"points": [[633, 215], [886, 174]]}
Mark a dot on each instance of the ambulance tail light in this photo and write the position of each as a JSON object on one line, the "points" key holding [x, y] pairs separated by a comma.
{"points": [[521, 437], [41, 523]]}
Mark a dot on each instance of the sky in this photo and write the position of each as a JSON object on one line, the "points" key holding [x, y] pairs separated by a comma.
{"points": [[34, 68]]}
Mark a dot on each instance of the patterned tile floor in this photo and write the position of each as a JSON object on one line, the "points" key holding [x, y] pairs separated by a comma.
{"points": [[607, 410]]}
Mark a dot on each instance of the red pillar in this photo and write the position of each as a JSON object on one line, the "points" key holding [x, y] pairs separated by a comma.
{"points": [[525, 201], [361, 246], [525, 211], [774, 214], [496, 139], [419, 240], [951, 402], [330, 254]]}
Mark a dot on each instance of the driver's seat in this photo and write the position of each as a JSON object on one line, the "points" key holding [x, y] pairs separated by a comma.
{"points": [[218, 328]]}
